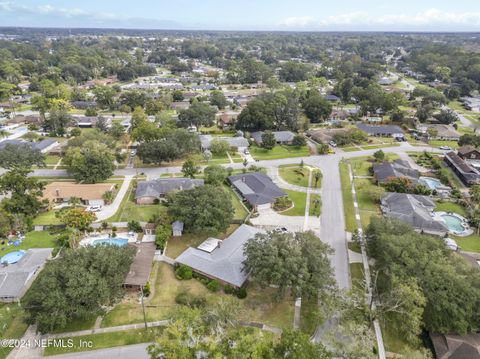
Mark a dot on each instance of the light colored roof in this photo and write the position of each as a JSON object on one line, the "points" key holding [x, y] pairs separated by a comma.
{"points": [[209, 244], [14, 277], [280, 136], [60, 190], [413, 209], [206, 141], [177, 226], [224, 262]]}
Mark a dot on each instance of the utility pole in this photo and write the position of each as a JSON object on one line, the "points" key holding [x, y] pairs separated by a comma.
{"points": [[143, 309]]}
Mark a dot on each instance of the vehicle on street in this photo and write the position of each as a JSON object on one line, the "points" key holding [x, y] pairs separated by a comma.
{"points": [[333, 143]]}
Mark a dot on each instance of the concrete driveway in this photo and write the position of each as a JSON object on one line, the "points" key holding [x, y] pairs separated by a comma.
{"points": [[110, 209]]}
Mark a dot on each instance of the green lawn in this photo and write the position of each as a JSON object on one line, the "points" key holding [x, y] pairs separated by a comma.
{"points": [[295, 175], [240, 210], [40, 239], [104, 340], [315, 207], [278, 152], [12, 325], [46, 218], [450, 207], [52, 160], [357, 275], [299, 200], [470, 243], [129, 210], [309, 320], [259, 306], [438, 143], [347, 196]]}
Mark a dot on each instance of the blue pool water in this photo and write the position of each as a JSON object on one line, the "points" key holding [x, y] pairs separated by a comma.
{"points": [[454, 223], [12, 257], [119, 242], [430, 182]]}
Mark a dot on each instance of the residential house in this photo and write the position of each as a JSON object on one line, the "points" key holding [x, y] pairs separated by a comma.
{"points": [[385, 171], [463, 169], [332, 98], [471, 103], [452, 346], [180, 105], [83, 105], [443, 132], [17, 276], [44, 146], [89, 194], [91, 121], [221, 260], [281, 137], [415, 210], [385, 81], [257, 189], [149, 192], [381, 130], [469, 153], [227, 119], [239, 142], [139, 274]]}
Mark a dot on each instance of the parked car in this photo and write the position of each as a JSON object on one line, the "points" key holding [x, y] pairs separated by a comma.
{"points": [[247, 152], [95, 208], [446, 148], [333, 143]]}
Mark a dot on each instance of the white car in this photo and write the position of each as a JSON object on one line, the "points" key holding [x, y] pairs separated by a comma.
{"points": [[95, 208], [333, 144], [133, 153], [247, 152], [446, 148]]}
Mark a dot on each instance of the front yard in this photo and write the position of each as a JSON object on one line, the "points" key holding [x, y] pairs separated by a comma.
{"points": [[279, 151], [295, 175], [299, 200]]}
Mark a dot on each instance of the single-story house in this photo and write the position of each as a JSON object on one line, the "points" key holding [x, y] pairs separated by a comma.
{"points": [[465, 171], [282, 137], [149, 192], [177, 228], [444, 132], [415, 210], [91, 121], [332, 98], [325, 135], [385, 171], [381, 130], [83, 105], [469, 153], [471, 103], [385, 81], [43, 146], [89, 194], [452, 346], [141, 266], [221, 260], [180, 105], [257, 189], [227, 119], [16, 278], [238, 142]]}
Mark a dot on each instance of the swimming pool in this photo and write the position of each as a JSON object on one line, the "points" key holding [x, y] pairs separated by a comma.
{"points": [[453, 223], [430, 182], [119, 242], [12, 257]]}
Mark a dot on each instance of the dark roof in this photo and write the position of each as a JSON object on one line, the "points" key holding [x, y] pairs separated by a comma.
{"points": [[331, 98], [451, 346], [41, 145], [256, 188], [160, 186], [464, 150], [380, 130], [460, 163], [386, 170], [142, 264]]}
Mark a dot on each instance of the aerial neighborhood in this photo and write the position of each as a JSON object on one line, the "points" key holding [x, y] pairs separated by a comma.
{"points": [[240, 195]]}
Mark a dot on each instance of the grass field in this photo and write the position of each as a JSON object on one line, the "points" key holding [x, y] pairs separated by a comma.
{"points": [[105, 340], [450, 207], [40, 239], [240, 211], [279, 151], [357, 275], [438, 143], [470, 243], [315, 208], [259, 306], [347, 196], [295, 175], [47, 218], [299, 200], [12, 325]]}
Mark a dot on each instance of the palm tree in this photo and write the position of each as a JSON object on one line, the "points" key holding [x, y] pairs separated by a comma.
{"points": [[74, 201]]}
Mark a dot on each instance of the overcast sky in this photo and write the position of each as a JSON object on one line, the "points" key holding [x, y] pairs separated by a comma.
{"points": [[292, 15]]}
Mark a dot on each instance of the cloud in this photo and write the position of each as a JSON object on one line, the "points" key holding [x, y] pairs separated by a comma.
{"points": [[431, 17]]}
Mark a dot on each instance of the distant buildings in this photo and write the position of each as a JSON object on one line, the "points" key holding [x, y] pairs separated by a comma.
{"points": [[471, 103], [467, 173], [381, 130]]}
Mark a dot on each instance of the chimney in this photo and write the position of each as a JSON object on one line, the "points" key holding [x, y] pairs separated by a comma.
{"points": [[57, 193]]}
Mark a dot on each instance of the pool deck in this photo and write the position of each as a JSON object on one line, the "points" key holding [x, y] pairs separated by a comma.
{"points": [[467, 230], [86, 241]]}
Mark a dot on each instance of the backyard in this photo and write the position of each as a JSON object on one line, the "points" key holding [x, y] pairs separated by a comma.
{"points": [[259, 306], [296, 175], [38, 239]]}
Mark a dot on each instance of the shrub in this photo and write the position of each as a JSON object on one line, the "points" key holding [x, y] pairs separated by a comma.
{"points": [[241, 293], [146, 290], [228, 289], [182, 298], [183, 272], [213, 286], [186, 298], [134, 226]]}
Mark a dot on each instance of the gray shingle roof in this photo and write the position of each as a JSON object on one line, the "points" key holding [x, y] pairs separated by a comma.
{"points": [[224, 262], [380, 130], [280, 136], [161, 186], [14, 277], [41, 145], [256, 187], [413, 209], [398, 168], [206, 141]]}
